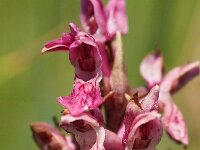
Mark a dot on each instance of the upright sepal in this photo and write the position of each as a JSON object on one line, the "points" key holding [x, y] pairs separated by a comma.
{"points": [[151, 68], [93, 18], [116, 17], [61, 44], [179, 76], [104, 22]]}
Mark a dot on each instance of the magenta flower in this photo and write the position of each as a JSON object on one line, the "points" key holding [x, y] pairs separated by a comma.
{"points": [[143, 128], [48, 138], [89, 131], [84, 55], [103, 23], [152, 71]]}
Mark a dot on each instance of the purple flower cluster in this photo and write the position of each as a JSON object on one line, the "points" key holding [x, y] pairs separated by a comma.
{"points": [[103, 112]]}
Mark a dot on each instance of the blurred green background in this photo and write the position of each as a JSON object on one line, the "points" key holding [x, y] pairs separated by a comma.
{"points": [[30, 81]]}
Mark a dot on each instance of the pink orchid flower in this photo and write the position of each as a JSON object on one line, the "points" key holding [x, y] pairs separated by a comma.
{"points": [[103, 22], [152, 71], [89, 132], [84, 55], [142, 125], [49, 138]]}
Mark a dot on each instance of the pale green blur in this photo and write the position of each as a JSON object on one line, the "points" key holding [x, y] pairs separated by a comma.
{"points": [[30, 81]]}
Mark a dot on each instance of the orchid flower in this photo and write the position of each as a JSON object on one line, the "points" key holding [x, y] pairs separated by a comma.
{"points": [[142, 125], [103, 22], [49, 138], [89, 131], [84, 55], [152, 71]]}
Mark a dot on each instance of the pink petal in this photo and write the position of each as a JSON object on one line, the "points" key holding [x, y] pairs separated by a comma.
{"points": [[151, 68], [117, 18], [146, 104], [93, 18], [74, 28], [87, 39], [61, 44], [85, 57], [150, 102], [88, 132], [144, 132], [173, 121], [47, 137], [179, 76], [84, 96]]}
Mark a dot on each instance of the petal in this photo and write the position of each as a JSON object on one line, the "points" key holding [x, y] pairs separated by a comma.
{"points": [[61, 44], [117, 18], [144, 132], [151, 68], [173, 121], [47, 137], [84, 96], [150, 102], [87, 39], [74, 28], [146, 104], [179, 76], [85, 56], [93, 18], [88, 132]]}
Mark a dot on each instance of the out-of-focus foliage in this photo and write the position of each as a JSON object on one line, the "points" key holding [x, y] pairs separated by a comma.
{"points": [[30, 81]]}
